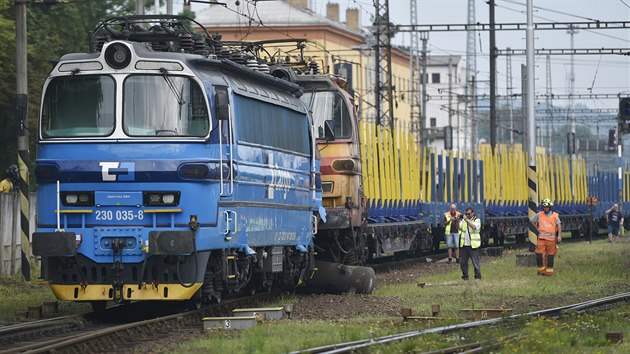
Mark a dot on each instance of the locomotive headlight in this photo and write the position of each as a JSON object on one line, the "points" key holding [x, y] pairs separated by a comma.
{"points": [[169, 198], [71, 198], [345, 166], [77, 198], [117, 55]]}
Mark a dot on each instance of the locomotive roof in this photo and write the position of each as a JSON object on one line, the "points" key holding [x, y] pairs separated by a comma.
{"points": [[197, 63]]}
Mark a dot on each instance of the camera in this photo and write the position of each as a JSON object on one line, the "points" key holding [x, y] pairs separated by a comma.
{"points": [[461, 216]]}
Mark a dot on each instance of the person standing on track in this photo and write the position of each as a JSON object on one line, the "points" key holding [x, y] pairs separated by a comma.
{"points": [[549, 234], [470, 241], [451, 232], [614, 221]]}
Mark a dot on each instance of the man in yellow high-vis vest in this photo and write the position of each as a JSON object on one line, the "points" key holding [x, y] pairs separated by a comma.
{"points": [[451, 232], [470, 242]]}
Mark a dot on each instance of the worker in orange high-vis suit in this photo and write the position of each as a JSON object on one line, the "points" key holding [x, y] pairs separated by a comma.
{"points": [[549, 234]]}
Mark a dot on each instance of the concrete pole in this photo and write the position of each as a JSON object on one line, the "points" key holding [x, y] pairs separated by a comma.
{"points": [[573, 141], [508, 91], [139, 7], [450, 92], [473, 119], [620, 164], [459, 127], [424, 36], [532, 175], [493, 79], [169, 7], [21, 111], [524, 132]]}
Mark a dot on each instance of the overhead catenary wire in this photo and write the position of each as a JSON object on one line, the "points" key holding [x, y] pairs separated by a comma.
{"points": [[551, 20], [259, 21], [595, 76], [551, 10]]}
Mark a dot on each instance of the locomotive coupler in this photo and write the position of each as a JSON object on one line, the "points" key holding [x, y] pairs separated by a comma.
{"points": [[117, 269]]}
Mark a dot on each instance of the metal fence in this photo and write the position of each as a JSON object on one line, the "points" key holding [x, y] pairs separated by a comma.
{"points": [[10, 226]]}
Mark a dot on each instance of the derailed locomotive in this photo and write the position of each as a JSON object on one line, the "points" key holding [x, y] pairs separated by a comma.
{"points": [[360, 227], [168, 170]]}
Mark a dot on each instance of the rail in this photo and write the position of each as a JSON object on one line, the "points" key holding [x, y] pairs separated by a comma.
{"points": [[556, 311], [91, 337]]}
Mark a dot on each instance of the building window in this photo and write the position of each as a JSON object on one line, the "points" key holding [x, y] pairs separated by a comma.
{"points": [[435, 78], [433, 121]]}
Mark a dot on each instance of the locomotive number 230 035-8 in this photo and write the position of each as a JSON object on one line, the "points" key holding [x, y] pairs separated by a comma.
{"points": [[119, 215]]}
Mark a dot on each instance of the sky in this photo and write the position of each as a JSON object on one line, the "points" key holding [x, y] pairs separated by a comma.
{"points": [[593, 73]]}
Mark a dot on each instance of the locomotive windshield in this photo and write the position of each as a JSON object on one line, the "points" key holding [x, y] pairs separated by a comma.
{"points": [[164, 105], [328, 105], [81, 105]]}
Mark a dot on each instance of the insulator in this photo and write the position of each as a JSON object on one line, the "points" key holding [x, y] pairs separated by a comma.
{"points": [[157, 46], [100, 42], [224, 53], [252, 63], [217, 47], [186, 42], [313, 67], [237, 57], [263, 68], [200, 47]]}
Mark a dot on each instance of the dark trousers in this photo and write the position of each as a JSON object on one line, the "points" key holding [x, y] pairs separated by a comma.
{"points": [[465, 253]]}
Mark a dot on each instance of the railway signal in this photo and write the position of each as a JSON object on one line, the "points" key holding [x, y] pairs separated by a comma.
{"points": [[612, 140], [624, 115]]}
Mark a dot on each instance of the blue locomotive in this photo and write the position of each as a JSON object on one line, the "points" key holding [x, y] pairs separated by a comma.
{"points": [[166, 171]]}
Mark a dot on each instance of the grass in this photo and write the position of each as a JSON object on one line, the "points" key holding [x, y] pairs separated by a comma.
{"points": [[575, 333], [583, 272], [18, 295], [280, 337]]}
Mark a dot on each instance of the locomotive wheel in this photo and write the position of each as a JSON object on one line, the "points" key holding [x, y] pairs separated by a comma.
{"points": [[575, 234], [500, 238], [497, 236], [196, 301], [354, 249], [436, 242], [362, 247]]}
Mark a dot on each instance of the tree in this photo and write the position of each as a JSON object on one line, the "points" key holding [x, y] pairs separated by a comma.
{"points": [[53, 30]]}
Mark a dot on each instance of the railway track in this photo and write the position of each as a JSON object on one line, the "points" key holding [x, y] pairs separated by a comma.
{"points": [[586, 306], [22, 334], [478, 347], [117, 326], [83, 334]]}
